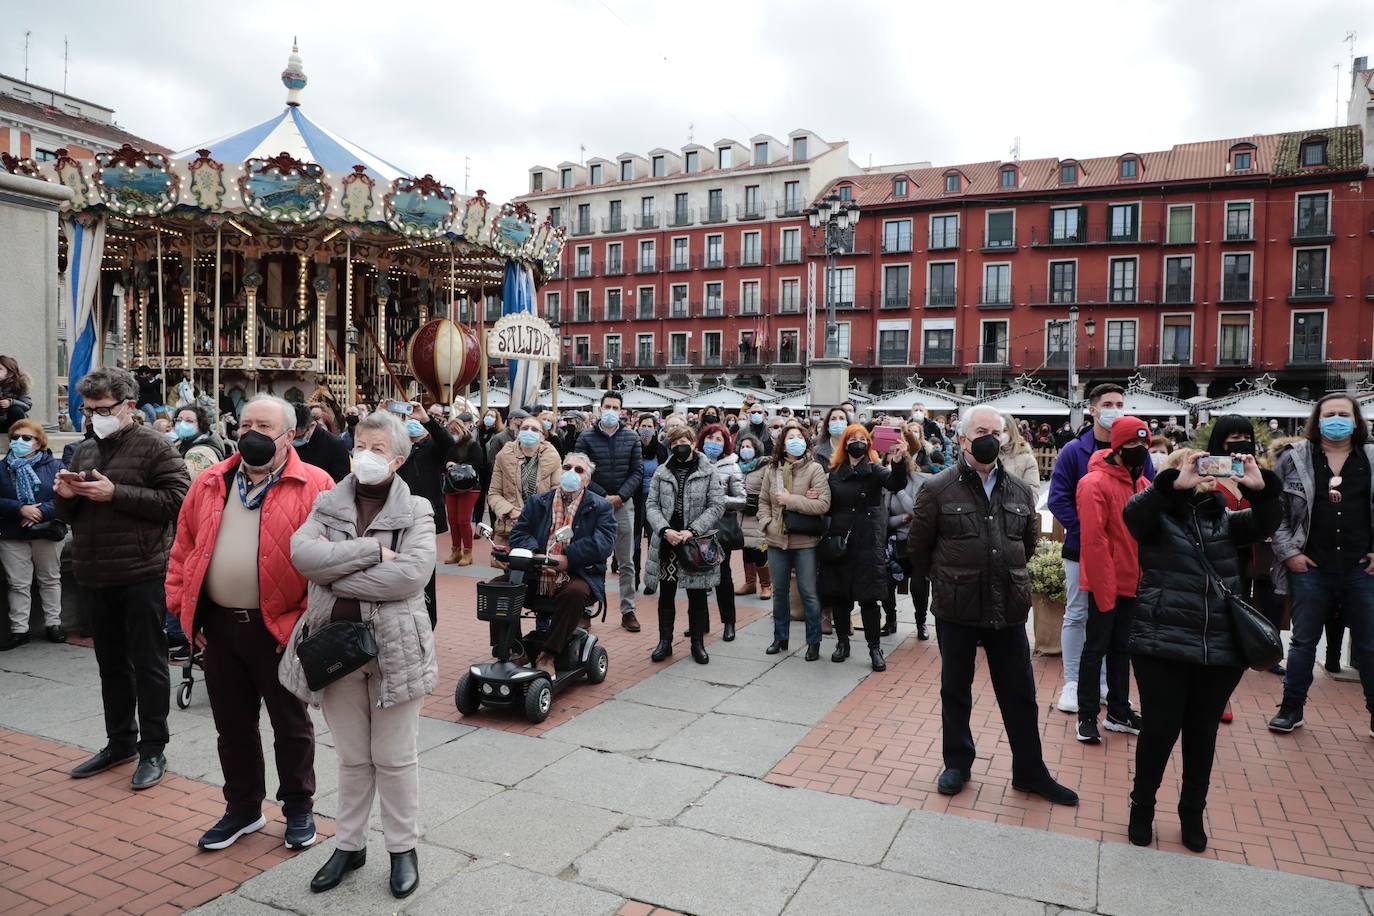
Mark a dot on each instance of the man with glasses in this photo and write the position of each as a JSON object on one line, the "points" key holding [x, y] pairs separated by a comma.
{"points": [[121, 496]]}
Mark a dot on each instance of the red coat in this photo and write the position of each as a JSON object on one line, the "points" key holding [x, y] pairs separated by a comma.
{"points": [[1109, 558], [281, 589]]}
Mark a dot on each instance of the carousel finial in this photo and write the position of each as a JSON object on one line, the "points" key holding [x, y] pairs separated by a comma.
{"points": [[293, 77]]}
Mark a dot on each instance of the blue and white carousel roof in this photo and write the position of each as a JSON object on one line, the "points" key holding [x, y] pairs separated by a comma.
{"points": [[293, 132]]}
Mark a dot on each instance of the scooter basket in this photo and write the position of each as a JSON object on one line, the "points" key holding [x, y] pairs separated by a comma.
{"points": [[500, 601]]}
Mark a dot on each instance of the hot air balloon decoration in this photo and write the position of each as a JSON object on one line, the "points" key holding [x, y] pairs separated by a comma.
{"points": [[444, 358]]}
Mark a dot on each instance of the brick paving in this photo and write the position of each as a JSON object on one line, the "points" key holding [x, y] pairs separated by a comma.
{"points": [[1301, 803], [92, 846]]}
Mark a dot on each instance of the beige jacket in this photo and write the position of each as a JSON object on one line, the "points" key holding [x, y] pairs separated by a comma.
{"points": [[807, 474], [1021, 463], [504, 493]]}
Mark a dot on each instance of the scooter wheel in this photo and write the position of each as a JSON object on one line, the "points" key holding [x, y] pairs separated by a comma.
{"points": [[538, 700], [183, 696], [598, 665], [466, 697]]}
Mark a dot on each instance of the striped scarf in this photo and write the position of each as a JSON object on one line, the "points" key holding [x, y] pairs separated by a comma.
{"points": [[26, 481], [563, 510]]}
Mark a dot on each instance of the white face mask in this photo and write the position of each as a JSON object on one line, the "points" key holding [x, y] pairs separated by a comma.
{"points": [[105, 427], [370, 468], [1158, 459]]}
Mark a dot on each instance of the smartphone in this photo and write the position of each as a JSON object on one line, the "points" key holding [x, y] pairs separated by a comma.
{"points": [[563, 535], [1220, 466], [400, 407], [884, 437]]}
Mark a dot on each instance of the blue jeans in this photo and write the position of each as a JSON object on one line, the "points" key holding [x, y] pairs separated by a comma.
{"points": [[781, 564], [1075, 629], [175, 634], [1314, 593]]}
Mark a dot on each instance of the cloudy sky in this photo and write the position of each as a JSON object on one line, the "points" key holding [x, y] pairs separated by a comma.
{"points": [[426, 84]]}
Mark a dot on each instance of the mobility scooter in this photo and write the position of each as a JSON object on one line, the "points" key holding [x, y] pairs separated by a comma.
{"points": [[503, 684]]}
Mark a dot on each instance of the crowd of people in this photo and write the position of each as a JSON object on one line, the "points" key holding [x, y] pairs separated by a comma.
{"points": [[243, 541]]}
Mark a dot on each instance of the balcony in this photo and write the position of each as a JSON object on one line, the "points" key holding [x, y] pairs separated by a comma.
{"points": [[1239, 233], [1120, 359], [614, 314], [1234, 291], [683, 308], [678, 264], [896, 299], [787, 255], [613, 224], [715, 214], [941, 298], [582, 314], [990, 357], [791, 206], [896, 246], [585, 359], [582, 227], [939, 357], [582, 269], [646, 266], [999, 243], [1095, 234], [680, 218], [1312, 232], [1310, 293], [944, 241], [746, 258], [646, 221], [999, 296], [613, 268], [646, 311], [1153, 355], [1236, 356], [648, 359], [787, 305], [848, 301], [1178, 294], [713, 308], [1306, 358], [749, 211]]}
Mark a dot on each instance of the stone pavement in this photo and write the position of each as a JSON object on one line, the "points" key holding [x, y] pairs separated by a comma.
{"points": [[657, 794]]}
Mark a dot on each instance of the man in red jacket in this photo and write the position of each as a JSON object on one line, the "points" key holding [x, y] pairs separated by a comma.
{"points": [[231, 581], [1109, 570]]}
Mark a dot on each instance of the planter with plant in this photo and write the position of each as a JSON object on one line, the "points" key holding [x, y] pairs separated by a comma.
{"points": [[1048, 594]]}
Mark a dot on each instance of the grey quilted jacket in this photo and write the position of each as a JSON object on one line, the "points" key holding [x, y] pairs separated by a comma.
{"points": [[703, 504], [339, 564]]}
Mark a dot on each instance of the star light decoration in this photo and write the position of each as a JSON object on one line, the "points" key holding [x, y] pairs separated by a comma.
{"points": [[1027, 381], [1243, 386], [943, 384], [1265, 382], [1365, 385], [1136, 382], [914, 380]]}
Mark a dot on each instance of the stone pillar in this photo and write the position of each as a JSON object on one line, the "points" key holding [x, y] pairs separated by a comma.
{"points": [[30, 292], [829, 380]]}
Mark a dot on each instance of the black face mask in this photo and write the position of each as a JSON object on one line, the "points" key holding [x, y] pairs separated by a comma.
{"points": [[710, 418], [351, 421], [985, 448], [1134, 458], [257, 450], [682, 452], [1245, 447], [857, 448]]}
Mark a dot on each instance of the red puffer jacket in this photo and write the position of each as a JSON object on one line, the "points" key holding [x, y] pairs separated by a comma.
{"points": [[281, 589], [1109, 559]]}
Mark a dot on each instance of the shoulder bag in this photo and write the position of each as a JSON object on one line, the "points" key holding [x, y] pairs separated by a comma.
{"points": [[699, 554], [1257, 637], [338, 648], [803, 524]]}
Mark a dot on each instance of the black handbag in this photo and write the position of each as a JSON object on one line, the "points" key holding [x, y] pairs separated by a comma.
{"points": [[338, 648], [834, 548], [1256, 635], [460, 478], [801, 523], [729, 534], [699, 554], [52, 529]]}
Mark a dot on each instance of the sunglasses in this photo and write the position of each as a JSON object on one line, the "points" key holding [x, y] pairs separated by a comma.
{"points": [[573, 467], [23, 438]]}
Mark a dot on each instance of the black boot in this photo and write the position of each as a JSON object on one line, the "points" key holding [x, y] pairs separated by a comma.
{"points": [[662, 650], [727, 632], [1141, 829], [889, 622], [841, 650], [875, 655], [405, 873], [778, 645], [699, 651], [332, 872], [921, 633], [1194, 834], [813, 652], [666, 621]]}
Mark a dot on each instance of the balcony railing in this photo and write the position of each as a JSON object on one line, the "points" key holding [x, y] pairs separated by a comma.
{"points": [[711, 261], [582, 313], [787, 306], [613, 224], [713, 308], [1235, 292], [943, 241], [787, 255], [999, 296], [1165, 356], [941, 298], [896, 299], [991, 355], [716, 214], [645, 265], [614, 268], [1240, 355], [746, 211], [681, 218], [582, 227], [1095, 234], [648, 359], [646, 311], [896, 245], [683, 308], [939, 357], [790, 206], [676, 263], [999, 242], [1239, 233], [586, 359], [613, 313], [1311, 292], [646, 221], [1178, 294], [582, 269], [1308, 231]]}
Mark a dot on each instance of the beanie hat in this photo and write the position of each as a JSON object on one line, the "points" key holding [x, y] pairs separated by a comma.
{"points": [[1127, 430]]}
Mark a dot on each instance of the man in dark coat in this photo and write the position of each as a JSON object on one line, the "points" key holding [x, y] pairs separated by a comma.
{"points": [[619, 459], [973, 529], [318, 446]]}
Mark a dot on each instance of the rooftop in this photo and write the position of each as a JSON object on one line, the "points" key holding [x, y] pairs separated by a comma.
{"points": [[114, 135]]}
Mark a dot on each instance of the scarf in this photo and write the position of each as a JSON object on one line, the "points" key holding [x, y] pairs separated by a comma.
{"points": [[252, 503], [564, 511], [785, 475], [25, 478], [747, 467], [529, 475]]}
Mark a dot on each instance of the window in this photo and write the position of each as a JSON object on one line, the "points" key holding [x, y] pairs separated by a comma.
{"points": [[752, 210], [537, 182], [1129, 168], [565, 178], [725, 157], [646, 302], [681, 261], [584, 218], [894, 343], [644, 350], [846, 192], [993, 347], [710, 348], [1309, 338], [1176, 340], [1244, 161], [493, 306], [937, 342], [789, 298], [713, 307], [1066, 224], [677, 301], [615, 261], [896, 236], [749, 297], [582, 350], [761, 153], [1123, 222], [677, 349], [952, 184], [1000, 231], [1314, 215], [555, 216], [996, 284], [616, 222], [1057, 335], [582, 305], [842, 339], [680, 217], [627, 169], [1181, 225], [1309, 272], [791, 196], [612, 305], [1068, 174], [647, 261], [647, 219], [749, 249], [1007, 180], [1123, 273], [899, 187], [658, 167], [715, 205], [798, 149], [896, 286], [840, 286], [1121, 342], [693, 160], [944, 232], [1238, 221], [612, 344], [583, 266], [1178, 279], [596, 173], [1313, 152], [789, 348], [941, 289], [714, 250], [791, 246], [1235, 277], [552, 305], [1063, 281], [1233, 343]]}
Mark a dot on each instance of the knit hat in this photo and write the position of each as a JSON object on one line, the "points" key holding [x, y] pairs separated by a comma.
{"points": [[1127, 430]]}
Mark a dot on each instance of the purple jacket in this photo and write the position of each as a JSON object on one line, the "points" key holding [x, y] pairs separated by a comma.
{"points": [[1069, 468]]}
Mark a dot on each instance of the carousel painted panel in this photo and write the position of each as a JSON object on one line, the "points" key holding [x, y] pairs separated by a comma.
{"points": [[420, 207], [207, 189], [474, 226], [512, 230], [284, 189], [70, 173], [134, 183]]}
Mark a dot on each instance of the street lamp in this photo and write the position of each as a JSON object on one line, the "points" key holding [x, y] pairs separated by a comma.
{"points": [[836, 218], [1090, 326]]}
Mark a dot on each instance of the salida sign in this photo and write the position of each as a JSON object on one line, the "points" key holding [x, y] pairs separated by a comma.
{"points": [[522, 336]]}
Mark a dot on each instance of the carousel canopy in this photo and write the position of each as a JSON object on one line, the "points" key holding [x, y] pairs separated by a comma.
{"points": [[1024, 403]]}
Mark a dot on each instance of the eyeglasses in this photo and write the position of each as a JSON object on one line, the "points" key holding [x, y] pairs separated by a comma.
{"points": [[573, 467], [87, 412]]}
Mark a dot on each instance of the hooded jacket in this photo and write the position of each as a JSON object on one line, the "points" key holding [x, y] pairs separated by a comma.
{"points": [[1069, 468], [1109, 565]]}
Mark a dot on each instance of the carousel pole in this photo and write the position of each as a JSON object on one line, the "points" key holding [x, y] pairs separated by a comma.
{"points": [[482, 343], [189, 322], [452, 287], [214, 371], [350, 355], [553, 386], [161, 322]]}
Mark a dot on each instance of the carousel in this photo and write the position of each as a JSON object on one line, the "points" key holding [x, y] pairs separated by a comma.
{"points": [[285, 258]]}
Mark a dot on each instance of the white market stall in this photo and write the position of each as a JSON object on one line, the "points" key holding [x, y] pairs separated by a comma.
{"points": [[1024, 403], [933, 399], [727, 397], [1262, 401]]}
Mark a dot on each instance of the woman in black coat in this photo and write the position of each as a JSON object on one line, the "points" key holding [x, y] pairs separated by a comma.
{"points": [[858, 525], [1183, 650]]}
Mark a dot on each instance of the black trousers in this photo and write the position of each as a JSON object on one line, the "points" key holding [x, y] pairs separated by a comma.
{"points": [[698, 615], [756, 557], [569, 604], [432, 601], [641, 532], [1008, 656], [1108, 633], [241, 658], [1179, 698], [868, 613], [890, 599], [725, 592], [131, 653]]}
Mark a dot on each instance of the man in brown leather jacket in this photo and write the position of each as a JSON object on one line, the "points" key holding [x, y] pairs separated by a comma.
{"points": [[973, 528]]}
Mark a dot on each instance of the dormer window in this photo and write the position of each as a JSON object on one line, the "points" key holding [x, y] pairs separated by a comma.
{"points": [[627, 169], [761, 153], [658, 166], [1007, 179], [1313, 152], [1068, 173], [725, 156], [1242, 157], [799, 149], [693, 162], [537, 182], [565, 178], [846, 192], [1130, 168], [596, 174], [899, 187], [952, 183]]}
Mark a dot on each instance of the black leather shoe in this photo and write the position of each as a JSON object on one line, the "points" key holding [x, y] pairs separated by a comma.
{"points": [[332, 872], [1049, 790], [813, 651], [699, 652], [149, 772], [102, 760], [10, 641], [300, 830], [778, 645], [728, 633], [662, 650], [841, 651], [56, 634], [921, 632], [875, 655], [951, 781], [405, 873]]}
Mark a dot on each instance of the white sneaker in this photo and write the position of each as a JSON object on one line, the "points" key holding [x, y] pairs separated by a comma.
{"points": [[1068, 697]]}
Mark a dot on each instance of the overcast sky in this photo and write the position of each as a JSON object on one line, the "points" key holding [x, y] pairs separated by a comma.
{"points": [[425, 84]]}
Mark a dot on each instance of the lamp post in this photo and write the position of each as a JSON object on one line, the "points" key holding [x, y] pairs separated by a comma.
{"points": [[1090, 326], [835, 217]]}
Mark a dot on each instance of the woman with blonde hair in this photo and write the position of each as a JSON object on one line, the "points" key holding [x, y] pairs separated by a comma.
{"points": [[1018, 458], [26, 508], [793, 497], [525, 466]]}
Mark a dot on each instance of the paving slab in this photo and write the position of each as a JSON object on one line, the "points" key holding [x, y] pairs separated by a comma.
{"points": [[731, 672], [796, 673], [489, 755], [493, 889], [786, 704], [800, 820], [750, 641], [627, 728], [1008, 860], [527, 830], [287, 886], [1134, 882], [696, 872], [62, 663], [671, 692], [732, 744], [47, 710], [842, 889], [644, 788], [442, 796], [235, 905]]}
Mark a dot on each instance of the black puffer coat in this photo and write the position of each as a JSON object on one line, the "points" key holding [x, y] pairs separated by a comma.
{"points": [[1177, 616], [857, 507]]}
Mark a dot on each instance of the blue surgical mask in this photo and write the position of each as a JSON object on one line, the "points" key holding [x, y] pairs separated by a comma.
{"points": [[746, 453], [296, 442], [796, 447], [488, 420], [756, 419], [20, 448], [171, 436], [1107, 416], [548, 424], [836, 427], [186, 429], [528, 438], [414, 429], [570, 481], [610, 419], [712, 449], [1337, 429]]}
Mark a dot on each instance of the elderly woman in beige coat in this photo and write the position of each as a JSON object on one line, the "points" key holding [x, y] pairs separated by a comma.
{"points": [[368, 550], [523, 467]]}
